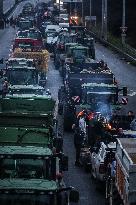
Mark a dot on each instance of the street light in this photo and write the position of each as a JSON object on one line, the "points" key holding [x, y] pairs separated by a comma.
{"points": [[90, 10], [123, 27], [83, 12], [1, 9], [104, 20]]}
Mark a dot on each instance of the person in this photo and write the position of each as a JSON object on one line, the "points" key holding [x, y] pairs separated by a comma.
{"points": [[11, 21], [82, 124], [2, 82], [5, 87], [130, 117], [130, 113], [120, 133], [7, 22], [133, 125], [78, 141]]}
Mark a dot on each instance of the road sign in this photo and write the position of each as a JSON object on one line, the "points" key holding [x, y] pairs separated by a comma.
{"points": [[70, 1], [123, 29], [92, 18]]}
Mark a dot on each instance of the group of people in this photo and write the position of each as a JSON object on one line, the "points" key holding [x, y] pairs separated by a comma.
{"points": [[93, 131]]}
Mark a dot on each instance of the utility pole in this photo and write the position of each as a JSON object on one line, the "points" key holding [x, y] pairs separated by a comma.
{"points": [[59, 5], [104, 20], [83, 12], [1, 9], [90, 11], [123, 28]]}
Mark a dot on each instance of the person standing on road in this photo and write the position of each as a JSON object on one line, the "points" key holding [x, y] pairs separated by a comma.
{"points": [[82, 124], [78, 141], [133, 125], [2, 83]]}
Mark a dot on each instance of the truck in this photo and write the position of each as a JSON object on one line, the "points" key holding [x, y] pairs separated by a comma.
{"points": [[121, 187], [40, 58]]}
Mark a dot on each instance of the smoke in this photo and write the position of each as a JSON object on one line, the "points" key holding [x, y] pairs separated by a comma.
{"points": [[105, 109]]}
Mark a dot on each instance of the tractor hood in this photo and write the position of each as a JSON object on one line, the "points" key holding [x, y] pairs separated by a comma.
{"points": [[27, 104], [27, 186], [25, 136]]}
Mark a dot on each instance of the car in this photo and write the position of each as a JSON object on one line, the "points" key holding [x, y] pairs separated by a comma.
{"points": [[52, 28]]}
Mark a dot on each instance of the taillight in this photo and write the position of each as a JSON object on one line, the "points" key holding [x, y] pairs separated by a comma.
{"points": [[102, 169]]}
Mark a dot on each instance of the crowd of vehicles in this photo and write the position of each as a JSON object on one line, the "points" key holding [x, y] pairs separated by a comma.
{"points": [[31, 147]]}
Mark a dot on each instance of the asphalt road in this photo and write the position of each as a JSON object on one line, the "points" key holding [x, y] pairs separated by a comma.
{"points": [[7, 4], [125, 74]]}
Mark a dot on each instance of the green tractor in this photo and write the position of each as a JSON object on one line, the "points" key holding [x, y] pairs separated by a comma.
{"points": [[32, 117], [78, 55], [32, 162], [35, 191]]}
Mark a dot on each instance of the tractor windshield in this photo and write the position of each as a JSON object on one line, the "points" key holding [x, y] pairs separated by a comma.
{"points": [[26, 168], [25, 24], [100, 98], [22, 76], [79, 53]]}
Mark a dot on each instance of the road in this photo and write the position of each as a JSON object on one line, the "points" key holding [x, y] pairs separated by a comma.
{"points": [[125, 74], [7, 4]]}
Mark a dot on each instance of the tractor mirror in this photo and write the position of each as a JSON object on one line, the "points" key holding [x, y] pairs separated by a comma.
{"points": [[124, 101], [74, 196], [94, 149], [64, 162], [60, 108], [58, 144], [124, 91]]}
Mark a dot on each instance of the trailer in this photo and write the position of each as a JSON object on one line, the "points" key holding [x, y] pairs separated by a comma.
{"points": [[122, 186]]}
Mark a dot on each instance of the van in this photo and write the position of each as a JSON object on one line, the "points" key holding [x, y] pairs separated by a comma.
{"points": [[52, 28]]}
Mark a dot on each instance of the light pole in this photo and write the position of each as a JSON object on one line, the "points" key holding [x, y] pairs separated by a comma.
{"points": [[104, 20], [123, 28], [59, 5], [90, 11], [83, 12], [1, 9]]}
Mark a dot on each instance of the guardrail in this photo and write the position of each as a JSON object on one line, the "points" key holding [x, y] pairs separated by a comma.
{"points": [[126, 51], [12, 9], [7, 5]]}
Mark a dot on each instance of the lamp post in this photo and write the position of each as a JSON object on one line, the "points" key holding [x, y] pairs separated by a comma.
{"points": [[59, 5], [83, 12], [1, 9], [104, 20], [90, 11], [123, 27]]}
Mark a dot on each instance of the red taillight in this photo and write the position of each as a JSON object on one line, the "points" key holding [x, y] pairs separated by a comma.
{"points": [[102, 169]]}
